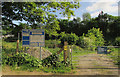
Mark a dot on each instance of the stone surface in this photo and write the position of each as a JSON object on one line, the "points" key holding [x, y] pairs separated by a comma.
{"points": [[35, 51]]}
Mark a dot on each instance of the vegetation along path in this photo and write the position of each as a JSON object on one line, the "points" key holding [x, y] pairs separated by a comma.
{"points": [[95, 64], [90, 64]]}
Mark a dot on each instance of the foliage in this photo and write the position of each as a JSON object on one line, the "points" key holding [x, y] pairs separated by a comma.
{"points": [[77, 48], [52, 43], [54, 62], [51, 61], [117, 41], [36, 13], [3, 32], [86, 16], [97, 35], [11, 39], [70, 38], [24, 61], [85, 42], [94, 37], [21, 59], [108, 24], [115, 55]]}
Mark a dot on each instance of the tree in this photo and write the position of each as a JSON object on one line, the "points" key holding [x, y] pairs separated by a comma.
{"points": [[77, 20], [86, 16], [108, 24], [37, 13], [94, 37]]}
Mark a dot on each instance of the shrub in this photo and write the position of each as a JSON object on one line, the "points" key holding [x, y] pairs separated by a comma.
{"points": [[51, 43], [54, 62], [70, 38], [51, 61], [117, 41], [94, 37], [21, 59]]}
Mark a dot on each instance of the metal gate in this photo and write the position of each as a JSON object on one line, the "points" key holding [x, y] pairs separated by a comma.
{"points": [[93, 59]]}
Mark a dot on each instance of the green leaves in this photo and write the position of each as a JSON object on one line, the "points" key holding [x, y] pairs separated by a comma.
{"points": [[37, 13], [70, 38], [21, 59], [94, 37], [51, 61]]}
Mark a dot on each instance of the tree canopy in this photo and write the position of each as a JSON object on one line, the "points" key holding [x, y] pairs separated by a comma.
{"points": [[86, 16], [36, 13]]}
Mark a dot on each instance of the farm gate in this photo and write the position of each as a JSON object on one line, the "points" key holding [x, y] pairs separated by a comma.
{"points": [[101, 58]]}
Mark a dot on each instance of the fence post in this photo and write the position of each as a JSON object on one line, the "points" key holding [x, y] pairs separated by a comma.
{"points": [[65, 50], [17, 48], [68, 53], [71, 56]]}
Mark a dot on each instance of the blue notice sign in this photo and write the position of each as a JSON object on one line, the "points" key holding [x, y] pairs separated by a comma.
{"points": [[33, 37], [25, 42], [26, 37]]}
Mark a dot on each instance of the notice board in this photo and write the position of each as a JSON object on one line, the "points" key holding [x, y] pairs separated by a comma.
{"points": [[33, 37]]}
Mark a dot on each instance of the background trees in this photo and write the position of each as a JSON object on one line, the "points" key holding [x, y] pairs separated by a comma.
{"points": [[36, 13], [86, 16], [108, 24], [43, 15]]}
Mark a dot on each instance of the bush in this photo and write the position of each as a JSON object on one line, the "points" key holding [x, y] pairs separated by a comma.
{"points": [[94, 37], [70, 38], [51, 43], [21, 59], [117, 41], [115, 55], [51, 61], [11, 39]]}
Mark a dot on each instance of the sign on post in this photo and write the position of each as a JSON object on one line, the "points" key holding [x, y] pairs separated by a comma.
{"points": [[33, 37]]}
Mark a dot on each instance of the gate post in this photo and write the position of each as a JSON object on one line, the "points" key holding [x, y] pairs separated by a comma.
{"points": [[68, 53], [71, 56], [65, 51]]}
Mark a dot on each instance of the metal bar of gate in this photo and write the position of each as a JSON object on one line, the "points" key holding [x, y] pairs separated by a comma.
{"points": [[93, 56], [92, 60], [104, 46], [98, 65]]}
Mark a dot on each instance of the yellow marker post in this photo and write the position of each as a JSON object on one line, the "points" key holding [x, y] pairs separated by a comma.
{"points": [[65, 51], [65, 48]]}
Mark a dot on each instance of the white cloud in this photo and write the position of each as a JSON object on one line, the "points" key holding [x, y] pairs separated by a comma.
{"points": [[95, 14], [106, 7], [71, 18], [99, 0]]}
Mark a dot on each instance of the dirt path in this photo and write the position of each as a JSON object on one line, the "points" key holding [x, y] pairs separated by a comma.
{"points": [[95, 64], [91, 64]]}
